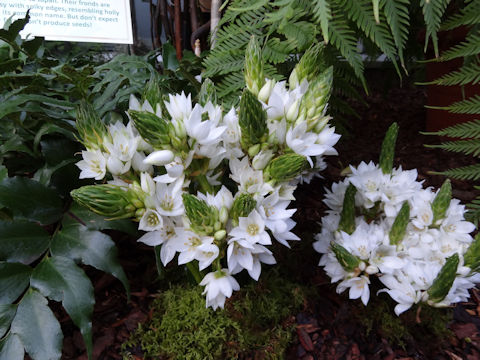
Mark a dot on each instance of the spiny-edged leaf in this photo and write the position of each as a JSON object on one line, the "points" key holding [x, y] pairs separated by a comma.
{"points": [[347, 216], [472, 257], [78, 214], [470, 130], [442, 201], [348, 261], [7, 313], [10, 34], [28, 199], [388, 149], [22, 241], [11, 348], [322, 14], [396, 12], [444, 280], [470, 172], [92, 248], [399, 227], [37, 327], [467, 106], [14, 279], [471, 46], [467, 147], [60, 279], [433, 11]]}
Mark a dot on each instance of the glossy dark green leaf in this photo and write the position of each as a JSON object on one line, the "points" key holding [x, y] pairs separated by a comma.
{"points": [[169, 55], [11, 348], [22, 241], [14, 29], [14, 279], [7, 313], [60, 279], [80, 214], [34, 47], [94, 248], [37, 328], [3, 172], [28, 199]]}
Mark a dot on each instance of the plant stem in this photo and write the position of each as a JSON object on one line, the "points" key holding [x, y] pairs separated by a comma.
{"points": [[194, 271], [204, 184]]}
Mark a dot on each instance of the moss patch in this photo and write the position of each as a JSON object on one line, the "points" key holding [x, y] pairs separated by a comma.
{"points": [[256, 320]]}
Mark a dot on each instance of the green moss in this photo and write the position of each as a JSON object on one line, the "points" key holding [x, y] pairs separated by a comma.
{"points": [[256, 319]]}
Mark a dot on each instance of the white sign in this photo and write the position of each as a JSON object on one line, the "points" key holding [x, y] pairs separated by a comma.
{"points": [[105, 21]]}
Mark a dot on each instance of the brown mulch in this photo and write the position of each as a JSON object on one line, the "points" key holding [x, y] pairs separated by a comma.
{"points": [[325, 329]]}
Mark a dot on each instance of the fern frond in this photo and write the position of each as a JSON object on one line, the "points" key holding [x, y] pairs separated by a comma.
{"points": [[469, 15], [396, 12], [276, 51], [467, 130], [467, 147], [471, 172], [471, 46], [468, 106], [300, 32], [467, 74], [322, 14], [433, 11], [220, 65]]}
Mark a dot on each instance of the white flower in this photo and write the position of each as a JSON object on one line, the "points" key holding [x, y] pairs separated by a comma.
{"points": [[358, 288], [304, 142], [204, 132], [93, 165], [369, 180], [179, 107], [116, 166], [251, 230], [162, 236], [139, 165], [150, 221], [169, 198], [159, 157], [124, 142], [219, 285], [274, 212]]}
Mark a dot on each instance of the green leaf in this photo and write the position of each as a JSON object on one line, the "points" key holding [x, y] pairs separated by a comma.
{"points": [[348, 261], [7, 313], [93, 248], [322, 14], [169, 55], [60, 279], [3, 172], [472, 256], [37, 328], [28, 199], [11, 348], [22, 241], [347, 216], [14, 279], [388, 149]]}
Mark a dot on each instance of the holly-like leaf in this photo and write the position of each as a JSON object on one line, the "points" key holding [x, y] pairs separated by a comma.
{"points": [[28, 199], [37, 328], [22, 241], [7, 313], [14, 279], [60, 279], [11, 348], [92, 248]]}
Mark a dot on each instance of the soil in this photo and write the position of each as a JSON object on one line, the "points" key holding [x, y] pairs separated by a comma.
{"points": [[327, 327]]}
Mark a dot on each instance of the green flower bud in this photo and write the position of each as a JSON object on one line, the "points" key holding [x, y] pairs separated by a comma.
{"points": [[207, 93], [347, 216], [444, 280], [153, 93], [252, 120], [91, 130], [309, 66], [348, 261], [472, 255], [111, 201], [253, 150], [202, 216], [399, 226], [153, 129], [220, 235], [242, 206], [223, 216], [442, 201], [388, 149], [254, 76], [285, 167]]}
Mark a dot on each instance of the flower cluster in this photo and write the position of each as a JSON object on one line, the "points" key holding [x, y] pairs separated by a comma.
{"points": [[383, 224], [210, 185]]}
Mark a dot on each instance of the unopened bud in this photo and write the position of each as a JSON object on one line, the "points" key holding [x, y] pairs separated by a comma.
{"points": [[220, 235], [253, 150], [223, 216], [292, 111], [266, 90]]}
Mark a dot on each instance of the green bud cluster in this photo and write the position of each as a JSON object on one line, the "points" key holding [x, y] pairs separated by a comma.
{"points": [[388, 149], [444, 280], [207, 93], [91, 130], [252, 120], [347, 217], [472, 257], [315, 100], [442, 201], [346, 259], [285, 167], [242, 206], [156, 131], [254, 75], [309, 66], [153, 93], [203, 217], [111, 201], [399, 227]]}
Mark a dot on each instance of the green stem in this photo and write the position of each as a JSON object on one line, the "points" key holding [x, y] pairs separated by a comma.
{"points": [[204, 184], [191, 266]]}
